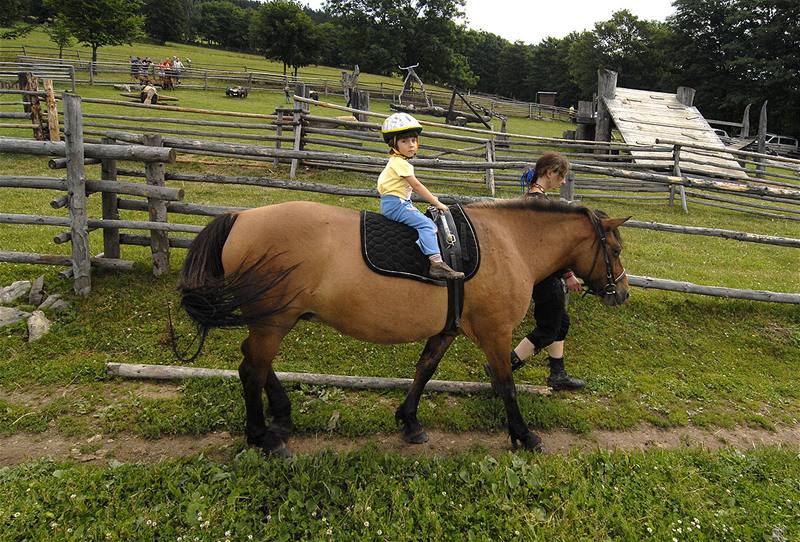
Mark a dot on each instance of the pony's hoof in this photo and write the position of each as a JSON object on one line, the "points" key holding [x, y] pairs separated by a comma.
{"points": [[420, 437], [530, 442]]}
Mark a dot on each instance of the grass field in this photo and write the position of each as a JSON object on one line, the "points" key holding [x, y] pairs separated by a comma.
{"points": [[664, 359]]}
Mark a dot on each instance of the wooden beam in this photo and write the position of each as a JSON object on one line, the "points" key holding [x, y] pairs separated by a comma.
{"points": [[172, 372], [716, 291]]}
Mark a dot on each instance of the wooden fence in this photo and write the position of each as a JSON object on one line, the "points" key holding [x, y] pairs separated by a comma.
{"points": [[113, 69], [150, 148], [487, 158], [75, 151]]}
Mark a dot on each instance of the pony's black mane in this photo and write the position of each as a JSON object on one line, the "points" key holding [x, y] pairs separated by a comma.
{"points": [[535, 204], [545, 205]]}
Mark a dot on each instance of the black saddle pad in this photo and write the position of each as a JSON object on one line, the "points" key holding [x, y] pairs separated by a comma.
{"points": [[390, 248]]}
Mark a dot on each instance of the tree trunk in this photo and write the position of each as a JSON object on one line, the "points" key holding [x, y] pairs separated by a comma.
{"points": [[94, 60]]}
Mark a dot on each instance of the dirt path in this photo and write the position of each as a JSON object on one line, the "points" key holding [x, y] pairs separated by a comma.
{"points": [[99, 449]]}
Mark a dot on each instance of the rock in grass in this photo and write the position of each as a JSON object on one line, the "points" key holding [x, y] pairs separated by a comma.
{"points": [[9, 294], [49, 301], [10, 316], [59, 306], [38, 326], [37, 291]]}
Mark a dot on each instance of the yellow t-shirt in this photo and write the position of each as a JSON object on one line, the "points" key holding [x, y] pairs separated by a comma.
{"points": [[391, 182]]}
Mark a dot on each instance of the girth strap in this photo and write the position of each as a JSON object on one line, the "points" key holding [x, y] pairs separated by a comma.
{"points": [[450, 244]]}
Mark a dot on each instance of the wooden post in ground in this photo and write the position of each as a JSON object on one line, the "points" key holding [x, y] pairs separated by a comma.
{"points": [[676, 170], [72, 76], [30, 103], [52, 111], [584, 129], [489, 171], [606, 89], [76, 189], [110, 209], [360, 100], [685, 96], [278, 133], [159, 240], [762, 139], [299, 109], [568, 188], [746, 122]]}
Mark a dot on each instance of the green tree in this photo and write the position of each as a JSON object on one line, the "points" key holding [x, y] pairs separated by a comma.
{"points": [[282, 31], [166, 19], [632, 47], [222, 22], [100, 22], [738, 51], [381, 35], [482, 50], [513, 66], [551, 70], [60, 34], [13, 11]]}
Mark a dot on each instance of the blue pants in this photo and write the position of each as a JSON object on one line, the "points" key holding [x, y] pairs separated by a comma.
{"points": [[401, 210]]}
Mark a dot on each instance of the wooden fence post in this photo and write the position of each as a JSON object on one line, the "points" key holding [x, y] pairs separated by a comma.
{"points": [[110, 205], [76, 189], [685, 96], [30, 103], [745, 131], [762, 139], [568, 189], [676, 170], [52, 111], [72, 76], [297, 118], [205, 80], [361, 98], [490, 171], [606, 88], [278, 133], [159, 240]]}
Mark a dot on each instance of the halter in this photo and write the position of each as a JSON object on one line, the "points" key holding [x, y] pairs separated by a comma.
{"points": [[611, 282]]}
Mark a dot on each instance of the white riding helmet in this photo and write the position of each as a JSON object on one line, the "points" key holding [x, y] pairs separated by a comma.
{"points": [[397, 125]]}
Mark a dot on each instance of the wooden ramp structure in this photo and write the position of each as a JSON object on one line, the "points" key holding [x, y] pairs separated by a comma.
{"points": [[643, 116]]}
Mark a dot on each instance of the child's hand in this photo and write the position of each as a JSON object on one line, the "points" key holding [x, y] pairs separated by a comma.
{"points": [[441, 206]]}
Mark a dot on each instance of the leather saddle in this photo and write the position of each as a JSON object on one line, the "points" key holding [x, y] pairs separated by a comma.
{"points": [[390, 248]]}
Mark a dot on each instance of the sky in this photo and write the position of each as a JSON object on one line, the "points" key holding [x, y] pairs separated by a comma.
{"points": [[530, 21]]}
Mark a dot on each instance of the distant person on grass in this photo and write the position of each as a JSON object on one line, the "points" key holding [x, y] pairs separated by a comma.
{"points": [[549, 294], [397, 181]]}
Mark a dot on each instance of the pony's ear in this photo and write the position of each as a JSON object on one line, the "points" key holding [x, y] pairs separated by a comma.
{"points": [[613, 223]]}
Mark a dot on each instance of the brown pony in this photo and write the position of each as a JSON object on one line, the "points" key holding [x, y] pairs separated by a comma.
{"points": [[269, 267]]}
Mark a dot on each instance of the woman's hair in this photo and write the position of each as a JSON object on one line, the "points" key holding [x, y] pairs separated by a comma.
{"points": [[551, 161]]}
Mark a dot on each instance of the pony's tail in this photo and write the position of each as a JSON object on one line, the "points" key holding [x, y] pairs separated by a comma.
{"points": [[212, 299]]}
